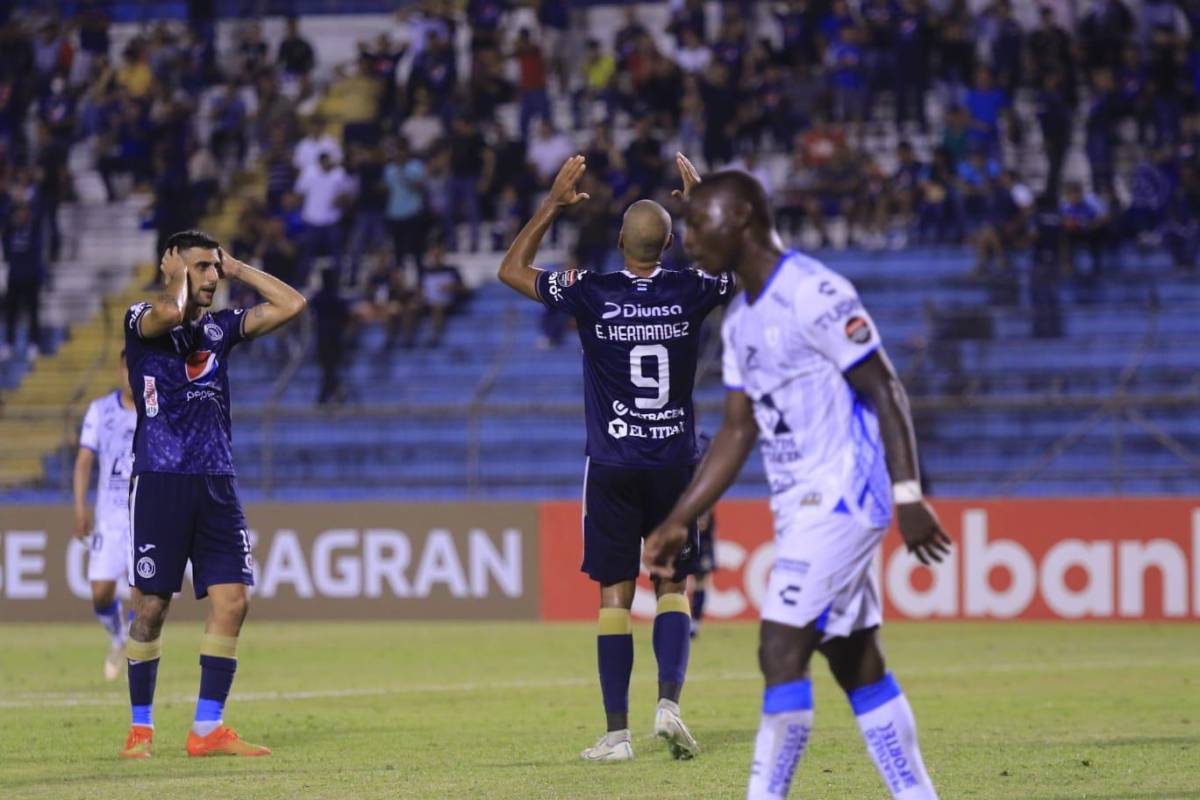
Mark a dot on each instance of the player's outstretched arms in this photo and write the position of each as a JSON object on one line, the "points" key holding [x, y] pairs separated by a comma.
{"points": [[166, 311], [281, 303], [516, 268], [875, 378], [716, 473]]}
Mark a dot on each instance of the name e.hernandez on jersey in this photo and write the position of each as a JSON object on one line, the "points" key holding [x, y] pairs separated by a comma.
{"points": [[641, 342], [789, 350], [180, 384]]}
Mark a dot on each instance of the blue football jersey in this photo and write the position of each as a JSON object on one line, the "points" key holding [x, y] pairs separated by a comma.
{"points": [[641, 341], [180, 384]]}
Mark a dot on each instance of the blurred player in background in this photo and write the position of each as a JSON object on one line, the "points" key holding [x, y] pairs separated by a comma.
{"points": [[106, 439], [640, 330], [706, 525], [806, 375], [183, 500]]}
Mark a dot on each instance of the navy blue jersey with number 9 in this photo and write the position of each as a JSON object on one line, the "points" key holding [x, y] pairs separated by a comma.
{"points": [[641, 341]]}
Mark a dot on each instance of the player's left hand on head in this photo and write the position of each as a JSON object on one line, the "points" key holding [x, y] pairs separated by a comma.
{"points": [[227, 266], [922, 532], [661, 547]]}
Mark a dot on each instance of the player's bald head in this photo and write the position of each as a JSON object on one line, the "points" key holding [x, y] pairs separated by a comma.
{"points": [[645, 231], [733, 188]]}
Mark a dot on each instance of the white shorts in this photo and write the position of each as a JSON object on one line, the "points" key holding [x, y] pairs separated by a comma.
{"points": [[823, 572], [108, 554]]}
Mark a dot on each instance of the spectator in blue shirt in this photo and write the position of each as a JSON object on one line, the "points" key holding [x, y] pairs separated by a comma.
{"points": [[988, 106], [404, 178]]}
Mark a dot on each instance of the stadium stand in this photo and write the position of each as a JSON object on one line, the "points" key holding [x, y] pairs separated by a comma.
{"points": [[1030, 377]]}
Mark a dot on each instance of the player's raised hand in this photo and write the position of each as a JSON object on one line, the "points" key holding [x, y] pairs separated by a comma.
{"points": [[661, 547], [563, 192], [227, 265], [172, 265], [689, 174], [922, 532]]}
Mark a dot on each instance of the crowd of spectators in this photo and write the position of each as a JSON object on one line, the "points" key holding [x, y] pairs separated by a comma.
{"points": [[901, 121]]}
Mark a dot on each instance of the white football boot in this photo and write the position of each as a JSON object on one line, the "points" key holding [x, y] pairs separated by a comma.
{"points": [[669, 727], [612, 746]]}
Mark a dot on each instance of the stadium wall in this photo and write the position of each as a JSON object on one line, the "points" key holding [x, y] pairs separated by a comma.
{"points": [[1014, 559]]}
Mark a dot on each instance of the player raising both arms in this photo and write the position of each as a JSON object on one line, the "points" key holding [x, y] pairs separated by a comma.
{"points": [[107, 439], [806, 375], [183, 501], [640, 331]]}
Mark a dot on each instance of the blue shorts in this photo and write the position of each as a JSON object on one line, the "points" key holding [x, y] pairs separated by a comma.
{"points": [[177, 518], [622, 505]]}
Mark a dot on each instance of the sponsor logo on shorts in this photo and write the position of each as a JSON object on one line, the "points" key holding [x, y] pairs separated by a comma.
{"points": [[811, 499], [146, 567], [150, 395], [213, 331], [788, 594], [858, 330], [146, 548]]}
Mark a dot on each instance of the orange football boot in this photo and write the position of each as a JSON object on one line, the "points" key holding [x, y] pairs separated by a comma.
{"points": [[139, 742], [223, 741]]}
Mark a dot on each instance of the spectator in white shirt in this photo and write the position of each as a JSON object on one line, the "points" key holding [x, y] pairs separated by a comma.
{"points": [[315, 142], [547, 152], [693, 56], [423, 129], [325, 188]]}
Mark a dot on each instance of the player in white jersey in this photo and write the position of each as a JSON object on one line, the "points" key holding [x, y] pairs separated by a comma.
{"points": [[807, 376], [106, 441]]}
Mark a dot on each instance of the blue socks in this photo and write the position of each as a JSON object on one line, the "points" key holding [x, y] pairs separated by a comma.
{"points": [[672, 643], [614, 651], [143, 660], [218, 663]]}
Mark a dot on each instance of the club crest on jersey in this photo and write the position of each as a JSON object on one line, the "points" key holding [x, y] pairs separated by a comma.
{"points": [[858, 330], [150, 395], [213, 331], [201, 364]]}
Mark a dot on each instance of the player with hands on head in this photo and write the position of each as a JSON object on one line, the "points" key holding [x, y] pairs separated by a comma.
{"points": [[807, 378], [639, 329], [183, 495]]}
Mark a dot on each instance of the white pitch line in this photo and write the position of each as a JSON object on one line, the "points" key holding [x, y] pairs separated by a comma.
{"points": [[82, 699]]}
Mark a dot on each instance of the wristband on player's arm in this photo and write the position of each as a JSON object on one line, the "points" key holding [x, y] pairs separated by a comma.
{"points": [[904, 492]]}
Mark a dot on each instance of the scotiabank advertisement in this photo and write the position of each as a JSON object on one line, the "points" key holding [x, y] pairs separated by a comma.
{"points": [[1013, 559]]}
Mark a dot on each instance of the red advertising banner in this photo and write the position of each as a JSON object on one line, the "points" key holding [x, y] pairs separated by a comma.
{"points": [[1013, 559]]}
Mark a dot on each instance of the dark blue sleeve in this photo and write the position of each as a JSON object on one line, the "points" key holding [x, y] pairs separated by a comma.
{"points": [[563, 291], [230, 320], [132, 317], [715, 290]]}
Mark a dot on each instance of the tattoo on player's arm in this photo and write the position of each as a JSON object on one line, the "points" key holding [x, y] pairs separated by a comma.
{"points": [[260, 311]]}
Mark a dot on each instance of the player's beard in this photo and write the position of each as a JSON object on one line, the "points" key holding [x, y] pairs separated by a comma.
{"points": [[204, 298]]}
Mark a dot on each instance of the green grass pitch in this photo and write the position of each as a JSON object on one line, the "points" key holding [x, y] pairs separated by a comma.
{"points": [[455, 710]]}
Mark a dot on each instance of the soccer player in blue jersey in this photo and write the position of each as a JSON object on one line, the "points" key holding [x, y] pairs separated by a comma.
{"points": [[807, 377], [640, 331], [183, 500]]}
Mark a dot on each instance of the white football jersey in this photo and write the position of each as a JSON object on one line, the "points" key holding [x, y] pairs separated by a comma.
{"points": [[788, 350], [108, 432]]}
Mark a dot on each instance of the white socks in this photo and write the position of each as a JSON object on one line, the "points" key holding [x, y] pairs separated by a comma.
{"points": [[887, 725], [888, 728], [782, 736]]}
